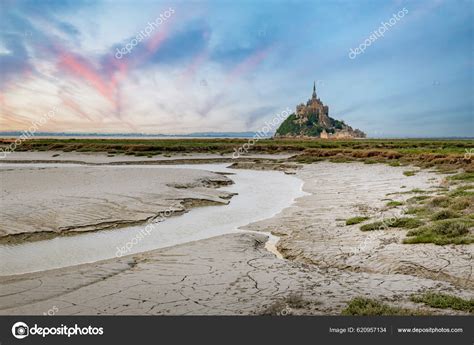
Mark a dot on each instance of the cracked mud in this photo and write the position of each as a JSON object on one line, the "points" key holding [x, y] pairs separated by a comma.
{"points": [[235, 274]]}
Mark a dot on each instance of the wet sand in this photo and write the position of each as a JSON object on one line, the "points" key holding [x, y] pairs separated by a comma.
{"points": [[255, 195], [104, 158], [225, 275], [326, 262], [46, 199]]}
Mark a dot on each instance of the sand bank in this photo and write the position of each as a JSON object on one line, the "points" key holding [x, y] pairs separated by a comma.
{"points": [[56, 199]]}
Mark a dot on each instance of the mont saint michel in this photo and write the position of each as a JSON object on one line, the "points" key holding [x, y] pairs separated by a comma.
{"points": [[313, 120]]}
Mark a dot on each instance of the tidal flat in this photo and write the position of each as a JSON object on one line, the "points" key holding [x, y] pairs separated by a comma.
{"points": [[318, 262]]}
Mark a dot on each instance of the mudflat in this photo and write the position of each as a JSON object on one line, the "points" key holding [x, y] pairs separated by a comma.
{"points": [[325, 262], [46, 200]]}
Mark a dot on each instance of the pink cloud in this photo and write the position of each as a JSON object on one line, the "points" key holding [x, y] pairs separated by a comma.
{"points": [[84, 70]]}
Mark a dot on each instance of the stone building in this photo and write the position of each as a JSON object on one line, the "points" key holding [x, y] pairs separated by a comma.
{"points": [[312, 120], [314, 106]]}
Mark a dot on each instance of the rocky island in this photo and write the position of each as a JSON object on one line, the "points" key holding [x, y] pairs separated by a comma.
{"points": [[313, 120]]}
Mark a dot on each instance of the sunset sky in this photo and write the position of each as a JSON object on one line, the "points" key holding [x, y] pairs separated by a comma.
{"points": [[232, 65]]}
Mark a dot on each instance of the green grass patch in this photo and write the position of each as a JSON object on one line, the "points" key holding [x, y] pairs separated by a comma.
{"points": [[417, 199], [417, 190], [356, 220], [394, 203], [410, 173], [465, 176], [462, 191], [443, 301], [404, 222], [445, 214], [449, 231], [373, 226], [440, 201], [418, 211], [459, 202], [365, 306]]}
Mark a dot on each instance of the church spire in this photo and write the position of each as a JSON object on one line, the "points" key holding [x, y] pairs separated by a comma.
{"points": [[314, 90]]}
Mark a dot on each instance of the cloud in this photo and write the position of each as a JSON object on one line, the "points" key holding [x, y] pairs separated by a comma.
{"points": [[15, 61], [228, 66]]}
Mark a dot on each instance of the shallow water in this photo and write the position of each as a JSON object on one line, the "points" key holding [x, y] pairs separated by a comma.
{"points": [[261, 195]]}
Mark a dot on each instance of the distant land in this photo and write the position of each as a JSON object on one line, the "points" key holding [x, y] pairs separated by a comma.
{"points": [[177, 136], [136, 135]]}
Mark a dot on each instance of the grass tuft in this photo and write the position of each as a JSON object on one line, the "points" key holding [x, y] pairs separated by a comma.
{"points": [[404, 222], [419, 211], [356, 220], [440, 201], [445, 214], [465, 176], [417, 199], [449, 231], [373, 226], [462, 191], [418, 190], [366, 306], [394, 203], [409, 172], [439, 300]]}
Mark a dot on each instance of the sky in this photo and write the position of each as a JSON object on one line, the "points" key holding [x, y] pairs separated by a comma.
{"points": [[177, 67]]}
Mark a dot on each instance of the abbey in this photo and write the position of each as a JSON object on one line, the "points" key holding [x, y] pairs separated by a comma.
{"points": [[312, 120], [313, 106]]}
